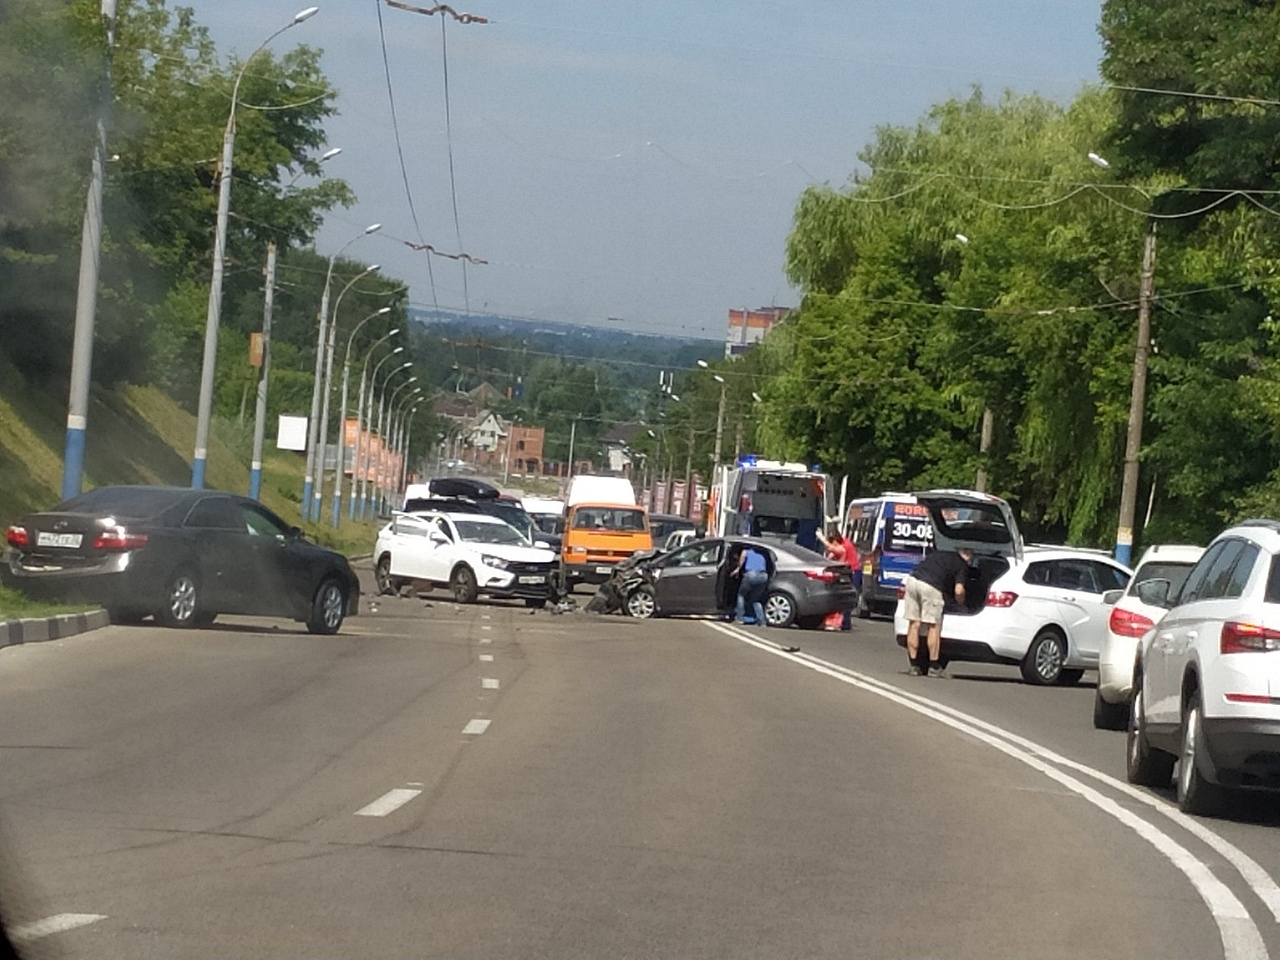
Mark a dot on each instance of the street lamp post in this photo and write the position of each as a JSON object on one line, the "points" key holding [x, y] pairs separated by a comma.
{"points": [[399, 427], [408, 445], [326, 392], [342, 424], [87, 288], [204, 408], [371, 465], [313, 421], [362, 448]]}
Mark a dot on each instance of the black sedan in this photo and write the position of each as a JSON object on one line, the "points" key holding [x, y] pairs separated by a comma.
{"points": [[182, 556], [697, 579]]}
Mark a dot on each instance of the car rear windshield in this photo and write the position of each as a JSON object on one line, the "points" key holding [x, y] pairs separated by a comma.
{"points": [[980, 522], [135, 503], [608, 518], [1175, 573]]}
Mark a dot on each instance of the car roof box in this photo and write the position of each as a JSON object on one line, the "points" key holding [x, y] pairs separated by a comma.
{"points": [[466, 487]]}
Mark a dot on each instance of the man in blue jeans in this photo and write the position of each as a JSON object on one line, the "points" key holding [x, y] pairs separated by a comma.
{"points": [[753, 568]]}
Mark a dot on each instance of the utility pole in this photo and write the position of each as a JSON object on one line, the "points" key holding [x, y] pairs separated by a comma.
{"points": [[984, 445], [737, 442], [573, 436], [87, 289], [1137, 400], [260, 407], [686, 507]]}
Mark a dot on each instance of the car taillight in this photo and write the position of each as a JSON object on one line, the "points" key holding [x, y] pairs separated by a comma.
{"points": [[1238, 637], [118, 538], [17, 536], [826, 576], [1126, 623], [1001, 598]]}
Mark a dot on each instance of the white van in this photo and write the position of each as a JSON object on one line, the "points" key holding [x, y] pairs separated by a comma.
{"points": [[587, 488]]}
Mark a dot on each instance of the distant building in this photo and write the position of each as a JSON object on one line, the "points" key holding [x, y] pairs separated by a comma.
{"points": [[749, 327], [524, 449], [616, 446]]}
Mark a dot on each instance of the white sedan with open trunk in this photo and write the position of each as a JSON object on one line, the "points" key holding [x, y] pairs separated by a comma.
{"points": [[1042, 609]]}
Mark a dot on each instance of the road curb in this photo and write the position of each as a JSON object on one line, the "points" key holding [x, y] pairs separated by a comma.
{"points": [[39, 629]]}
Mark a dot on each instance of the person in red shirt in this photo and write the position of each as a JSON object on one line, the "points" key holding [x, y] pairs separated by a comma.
{"points": [[838, 550]]}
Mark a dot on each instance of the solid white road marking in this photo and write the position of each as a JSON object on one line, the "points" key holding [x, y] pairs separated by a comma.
{"points": [[488, 683], [1241, 939], [476, 726], [389, 802], [58, 923], [486, 658]]}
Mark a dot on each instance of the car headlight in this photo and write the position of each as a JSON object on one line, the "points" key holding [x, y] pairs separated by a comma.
{"points": [[496, 562]]}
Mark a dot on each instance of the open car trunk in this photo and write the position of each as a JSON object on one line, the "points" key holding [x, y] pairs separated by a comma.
{"points": [[982, 523]]}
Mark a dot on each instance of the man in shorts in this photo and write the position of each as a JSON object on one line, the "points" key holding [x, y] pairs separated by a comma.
{"points": [[940, 573]]}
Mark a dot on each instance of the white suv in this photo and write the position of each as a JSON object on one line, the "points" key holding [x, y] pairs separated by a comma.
{"points": [[1207, 682], [470, 553], [1130, 618]]}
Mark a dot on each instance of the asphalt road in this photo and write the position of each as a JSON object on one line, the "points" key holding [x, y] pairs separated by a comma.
{"points": [[486, 781]]}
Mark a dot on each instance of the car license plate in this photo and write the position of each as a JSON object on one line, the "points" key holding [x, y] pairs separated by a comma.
{"points": [[71, 540], [533, 579], [604, 570]]}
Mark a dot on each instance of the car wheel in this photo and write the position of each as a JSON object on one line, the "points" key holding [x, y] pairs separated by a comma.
{"points": [[1043, 663], [641, 603], [1196, 794], [463, 585], [328, 608], [1109, 716], [779, 609], [181, 599], [1069, 678], [1144, 764], [537, 603], [382, 576]]}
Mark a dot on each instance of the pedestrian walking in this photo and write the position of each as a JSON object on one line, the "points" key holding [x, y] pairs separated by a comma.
{"points": [[940, 574], [753, 568]]}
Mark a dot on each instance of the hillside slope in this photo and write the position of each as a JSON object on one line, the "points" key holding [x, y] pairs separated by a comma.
{"points": [[136, 435]]}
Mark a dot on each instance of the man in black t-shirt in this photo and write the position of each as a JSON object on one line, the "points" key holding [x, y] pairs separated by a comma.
{"points": [[939, 574]]}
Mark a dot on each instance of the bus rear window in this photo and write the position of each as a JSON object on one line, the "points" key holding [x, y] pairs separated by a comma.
{"points": [[907, 528]]}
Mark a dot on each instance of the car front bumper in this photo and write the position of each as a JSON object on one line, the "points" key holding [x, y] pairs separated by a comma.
{"points": [[517, 584]]}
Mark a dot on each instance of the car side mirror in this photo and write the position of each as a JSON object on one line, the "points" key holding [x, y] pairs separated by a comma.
{"points": [[1112, 596], [1155, 592], [297, 533], [438, 538], [543, 544]]}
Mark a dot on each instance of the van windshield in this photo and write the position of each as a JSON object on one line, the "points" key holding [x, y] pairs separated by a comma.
{"points": [[609, 518]]}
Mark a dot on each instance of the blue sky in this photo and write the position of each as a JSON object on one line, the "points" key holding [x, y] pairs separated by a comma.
{"points": [[638, 161]]}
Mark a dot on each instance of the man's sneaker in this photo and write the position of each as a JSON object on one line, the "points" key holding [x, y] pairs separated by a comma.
{"points": [[937, 672], [914, 671]]}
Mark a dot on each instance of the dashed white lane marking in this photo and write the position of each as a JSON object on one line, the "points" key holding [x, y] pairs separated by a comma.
{"points": [[488, 683], [486, 658], [58, 923], [476, 726], [1241, 939], [485, 640], [485, 627], [485, 616], [389, 802]]}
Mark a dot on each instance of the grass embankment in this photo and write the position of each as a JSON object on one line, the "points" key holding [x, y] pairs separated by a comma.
{"points": [[137, 435]]}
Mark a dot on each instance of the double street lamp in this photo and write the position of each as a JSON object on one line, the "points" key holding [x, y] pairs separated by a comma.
{"points": [[204, 408]]}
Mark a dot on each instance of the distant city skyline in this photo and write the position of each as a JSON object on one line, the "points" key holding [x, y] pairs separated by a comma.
{"points": [[637, 162]]}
